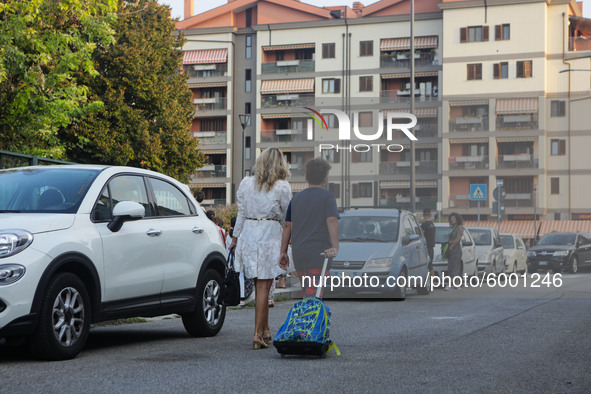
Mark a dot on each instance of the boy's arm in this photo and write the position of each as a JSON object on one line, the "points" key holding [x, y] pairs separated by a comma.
{"points": [[285, 237], [333, 230]]}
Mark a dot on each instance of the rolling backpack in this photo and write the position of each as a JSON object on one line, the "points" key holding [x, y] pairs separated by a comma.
{"points": [[307, 327]]}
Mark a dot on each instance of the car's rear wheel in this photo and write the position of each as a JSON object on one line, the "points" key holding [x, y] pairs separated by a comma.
{"points": [[208, 318], [426, 288], [64, 319], [400, 291], [574, 265]]}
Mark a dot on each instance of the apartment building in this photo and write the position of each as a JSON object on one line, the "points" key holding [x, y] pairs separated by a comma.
{"points": [[490, 99]]}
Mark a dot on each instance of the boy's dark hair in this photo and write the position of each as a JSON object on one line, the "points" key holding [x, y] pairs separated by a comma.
{"points": [[210, 215], [426, 212], [199, 196], [316, 170]]}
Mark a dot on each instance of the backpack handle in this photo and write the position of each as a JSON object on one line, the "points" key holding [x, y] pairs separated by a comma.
{"points": [[324, 267]]}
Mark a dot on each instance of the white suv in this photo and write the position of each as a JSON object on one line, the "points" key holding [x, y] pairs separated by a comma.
{"points": [[83, 244]]}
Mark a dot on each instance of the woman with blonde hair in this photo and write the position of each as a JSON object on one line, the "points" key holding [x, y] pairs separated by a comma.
{"points": [[262, 204]]}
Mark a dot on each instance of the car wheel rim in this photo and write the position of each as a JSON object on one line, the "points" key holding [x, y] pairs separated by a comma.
{"points": [[68, 316], [212, 308], [575, 265]]}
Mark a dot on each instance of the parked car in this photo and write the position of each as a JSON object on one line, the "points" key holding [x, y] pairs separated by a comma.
{"points": [[469, 256], [381, 243], [489, 250], [558, 251], [82, 244], [515, 253]]}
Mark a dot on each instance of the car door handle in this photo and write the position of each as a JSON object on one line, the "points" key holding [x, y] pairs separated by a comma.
{"points": [[197, 230], [154, 233]]}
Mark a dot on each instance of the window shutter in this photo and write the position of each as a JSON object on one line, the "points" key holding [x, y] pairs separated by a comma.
{"points": [[478, 71], [484, 33], [337, 86], [463, 34], [470, 75], [324, 51], [562, 108], [498, 32], [519, 69], [496, 70], [562, 147], [355, 157], [355, 190], [527, 69]]}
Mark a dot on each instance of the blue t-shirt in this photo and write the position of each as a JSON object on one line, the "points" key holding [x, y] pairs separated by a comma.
{"points": [[308, 211]]}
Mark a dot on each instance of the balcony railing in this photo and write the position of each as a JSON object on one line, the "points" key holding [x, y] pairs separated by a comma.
{"points": [[211, 137], [463, 201], [207, 70], [286, 100], [288, 66], [518, 200], [472, 123], [517, 161], [214, 202], [403, 167], [401, 61], [425, 130], [404, 202], [581, 43], [210, 103], [286, 135], [403, 96], [468, 162], [516, 122], [212, 171]]}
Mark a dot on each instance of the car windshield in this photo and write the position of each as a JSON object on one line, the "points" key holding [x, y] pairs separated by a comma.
{"points": [[481, 237], [44, 190], [368, 229], [442, 234], [557, 239], [508, 242]]}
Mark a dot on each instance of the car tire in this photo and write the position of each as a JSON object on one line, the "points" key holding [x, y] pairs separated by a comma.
{"points": [[514, 271], [475, 269], [208, 318], [64, 319], [426, 288], [531, 270], [399, 292], [573, 267]]}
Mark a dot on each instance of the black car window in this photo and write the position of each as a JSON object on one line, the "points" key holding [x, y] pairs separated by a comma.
{"points": [[103, 209], [169, 200], [481, 237], [520, 244], [557, 239], [415, 226], [507, 241], [368, 228], [130, 188]]}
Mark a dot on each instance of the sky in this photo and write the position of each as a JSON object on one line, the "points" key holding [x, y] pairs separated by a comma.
{"points": [[204, 5]]}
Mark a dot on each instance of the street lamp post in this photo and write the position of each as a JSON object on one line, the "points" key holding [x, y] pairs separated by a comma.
{"points": [[244, 121]]}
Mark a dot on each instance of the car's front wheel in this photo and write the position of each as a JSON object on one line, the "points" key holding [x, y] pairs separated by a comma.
{"points": [[64, 319], [400, 291], [574, 265], [208, 318]]}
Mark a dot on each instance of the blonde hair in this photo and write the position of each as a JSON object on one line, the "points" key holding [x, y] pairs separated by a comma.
{"points": [[269, 168]]}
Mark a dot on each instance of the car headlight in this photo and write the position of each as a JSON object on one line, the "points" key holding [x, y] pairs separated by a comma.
{"points": [[531, 253], [14, 241], [10, 273], [378, 263], [560, 253]]}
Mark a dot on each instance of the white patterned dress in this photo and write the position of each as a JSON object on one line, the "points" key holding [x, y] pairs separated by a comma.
{"points": [[259, 241]]}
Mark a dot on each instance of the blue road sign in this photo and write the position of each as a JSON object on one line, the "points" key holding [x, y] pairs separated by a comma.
{"points": [[478, 192]]}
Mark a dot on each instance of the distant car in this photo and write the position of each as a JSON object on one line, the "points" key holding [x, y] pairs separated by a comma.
{"points": [[469, 256], [381, 243], [558, 251], [515, 253], [83, 244], [489, 249]]}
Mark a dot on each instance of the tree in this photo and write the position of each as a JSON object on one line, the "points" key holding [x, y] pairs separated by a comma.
{"points": [[44, 44], [147, 112]]}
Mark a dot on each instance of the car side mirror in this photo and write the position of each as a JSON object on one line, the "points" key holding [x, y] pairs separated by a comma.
{"points": [[125, 211], [410, 238]]}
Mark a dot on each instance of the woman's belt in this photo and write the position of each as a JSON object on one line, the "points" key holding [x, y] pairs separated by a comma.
{"points": [[275, 220]]}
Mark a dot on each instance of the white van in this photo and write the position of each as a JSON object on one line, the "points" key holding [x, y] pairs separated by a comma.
{"points": [[489, 250]]}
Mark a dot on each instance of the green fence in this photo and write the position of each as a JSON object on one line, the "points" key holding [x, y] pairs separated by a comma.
{"points": [[11, 159]]}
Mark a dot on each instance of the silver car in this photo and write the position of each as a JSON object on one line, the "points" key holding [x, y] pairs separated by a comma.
{"points": [[469, 257]]}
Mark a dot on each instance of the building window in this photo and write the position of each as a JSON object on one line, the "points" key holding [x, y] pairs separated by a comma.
{"points": [[558, 147], [524, 69], [502, 32], [474, 34], [331, 155], [558, 108], [366, 119], [554, 185], [331, 85], [366, 84], [501, 70], [361, 157], [248, 77], [363, 189], [331, 120], [335, 188], [247, 110], [365, 48], [249, 46], [328, 51], [249, 17], [474, 71], [246, 148]]}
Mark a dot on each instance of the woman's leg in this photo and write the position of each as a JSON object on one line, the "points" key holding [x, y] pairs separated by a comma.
{"points": [[261, 311]]}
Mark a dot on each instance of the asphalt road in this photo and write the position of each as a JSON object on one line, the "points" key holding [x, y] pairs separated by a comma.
{"points": [[468, 340]]}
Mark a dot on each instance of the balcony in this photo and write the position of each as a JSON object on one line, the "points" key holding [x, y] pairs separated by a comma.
{"points": [[469, 123], [403, 167], [286, 100], [516, 122], [214, 202], [296, 169], [468, 163], [463, 201], [517, 161], [401, 60], [285, 135], [580, 43], [206, 70], [404, 203], [403, 96], [425, 130], [288, 66], [211, 171], [211, 137], [210, 103], [518, 200]]}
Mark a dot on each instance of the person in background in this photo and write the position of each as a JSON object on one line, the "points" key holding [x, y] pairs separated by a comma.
{"points": [[429, 232], [199, 196], [454, 251], [312, 225], [262, 204]]}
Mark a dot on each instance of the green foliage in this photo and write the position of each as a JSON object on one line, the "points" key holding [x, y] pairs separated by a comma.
{"points": [[226, 212], [147, 109], [44, 44]]}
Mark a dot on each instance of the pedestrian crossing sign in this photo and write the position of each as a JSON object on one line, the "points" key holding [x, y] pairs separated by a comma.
{"points": [[478, 192]]}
